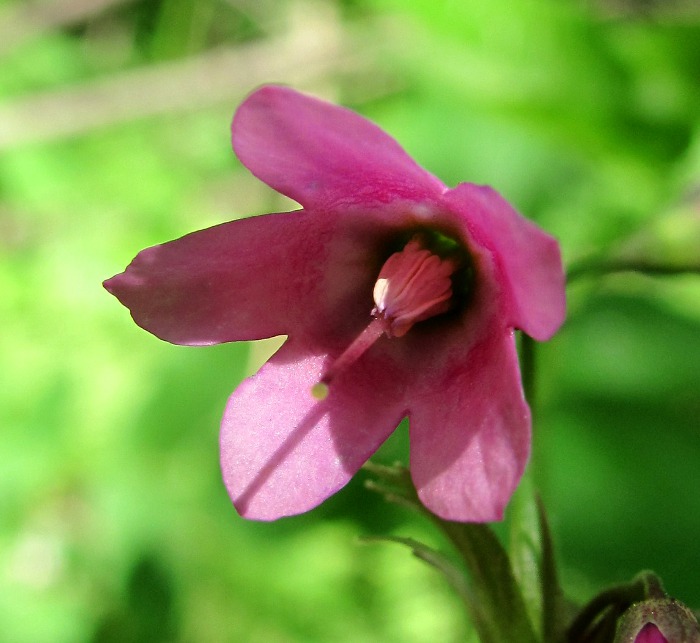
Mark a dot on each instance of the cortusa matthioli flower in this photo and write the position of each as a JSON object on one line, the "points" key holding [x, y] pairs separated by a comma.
{"points": [[399, 298]]}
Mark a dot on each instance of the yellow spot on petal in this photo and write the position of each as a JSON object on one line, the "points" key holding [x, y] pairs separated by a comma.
{"points": [[319, 391]]}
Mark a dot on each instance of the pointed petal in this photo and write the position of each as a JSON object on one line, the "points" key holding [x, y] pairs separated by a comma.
{"points": [[324, 156], [246, 279], [282, 451], [528, 259], [470, 436]]}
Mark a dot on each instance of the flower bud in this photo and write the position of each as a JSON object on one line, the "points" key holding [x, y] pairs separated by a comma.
{"points": [[658, 620]]}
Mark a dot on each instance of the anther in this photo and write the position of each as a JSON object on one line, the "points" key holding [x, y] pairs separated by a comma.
{"points": [[413, 285]]}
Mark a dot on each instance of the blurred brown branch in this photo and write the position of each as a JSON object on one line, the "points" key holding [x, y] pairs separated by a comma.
{"points": [[23, 21], [307, 53]]}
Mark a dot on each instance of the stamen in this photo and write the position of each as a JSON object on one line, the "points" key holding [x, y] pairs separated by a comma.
{"points": [[413, 285], [372, 332]]}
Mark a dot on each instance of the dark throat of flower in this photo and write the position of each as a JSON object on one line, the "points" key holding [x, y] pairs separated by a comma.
{"points": [[413, 285]]}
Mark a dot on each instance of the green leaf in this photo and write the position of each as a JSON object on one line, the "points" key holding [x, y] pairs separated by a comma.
{"points": [[453, 574], [554, 605], [526, 551], [501, 610], [534, 567]]}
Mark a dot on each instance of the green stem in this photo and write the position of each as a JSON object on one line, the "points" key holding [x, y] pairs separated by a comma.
{"points": [[492, 596], [601, 267], [499, 614], [527, 367]]}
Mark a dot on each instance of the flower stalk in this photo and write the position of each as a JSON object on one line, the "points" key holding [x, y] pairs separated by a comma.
{"points": [[492, 597]]}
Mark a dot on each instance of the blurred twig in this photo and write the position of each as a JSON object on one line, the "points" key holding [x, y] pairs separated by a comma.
{"points": [[23, 21], [308, 52], [666, 11], [606, 267]]}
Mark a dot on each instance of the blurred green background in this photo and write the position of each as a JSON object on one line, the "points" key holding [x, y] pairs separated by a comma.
{"points": [[114, 117]]}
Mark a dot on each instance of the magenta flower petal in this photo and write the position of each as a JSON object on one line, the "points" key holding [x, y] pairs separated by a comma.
{"points": [[323, 156], [242, 280], [283, 452], [470, 439], [529, 259]]}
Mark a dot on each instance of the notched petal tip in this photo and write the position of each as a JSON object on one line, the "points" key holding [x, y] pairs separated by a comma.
{"points": [[468, 455], [284, 452]]}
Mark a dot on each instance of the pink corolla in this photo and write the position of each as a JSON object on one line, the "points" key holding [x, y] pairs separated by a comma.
{"points": [[650, 634], [399, 298]]}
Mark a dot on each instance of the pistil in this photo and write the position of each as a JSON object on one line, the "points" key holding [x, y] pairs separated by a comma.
{"points": [[413, 285]]}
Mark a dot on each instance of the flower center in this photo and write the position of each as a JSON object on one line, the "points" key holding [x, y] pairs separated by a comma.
{"points": [[413, 285]]}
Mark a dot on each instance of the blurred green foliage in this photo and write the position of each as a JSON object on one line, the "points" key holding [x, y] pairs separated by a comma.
{"points": [[114, 136]]}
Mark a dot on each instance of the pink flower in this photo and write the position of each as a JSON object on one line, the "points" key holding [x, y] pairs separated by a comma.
{"points": [[399, 297]]}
